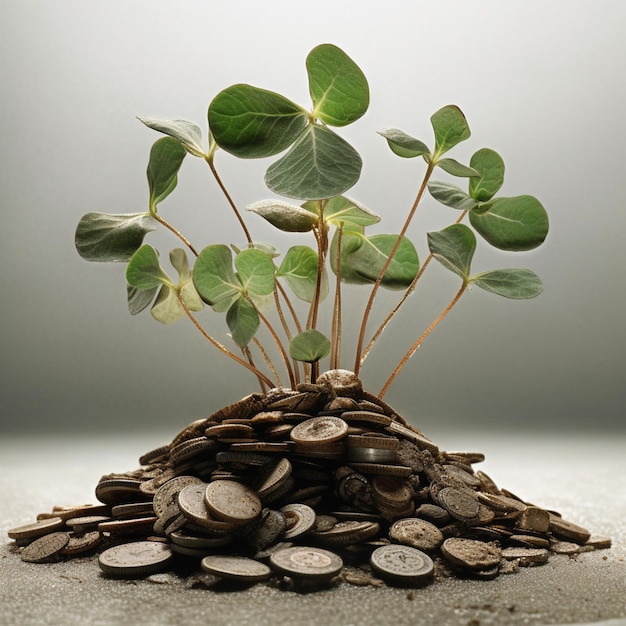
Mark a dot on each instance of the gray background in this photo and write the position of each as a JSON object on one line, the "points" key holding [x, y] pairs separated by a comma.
{"points": [[540, 82]]}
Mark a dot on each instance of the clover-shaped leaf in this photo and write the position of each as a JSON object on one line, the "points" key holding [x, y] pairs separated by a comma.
{"points": [[338, 87], [299, 268], [243, 321], [309, 346], [214, 277], [255, 272], [144, 270]]}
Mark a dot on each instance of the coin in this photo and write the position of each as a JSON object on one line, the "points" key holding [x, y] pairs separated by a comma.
{"points": [[237, 568], [526, 556], [82, 543], [471, 553], [192, 506], [348, 532], [299, 519], [232, 502], [460, 504], [166, 495], [303, 562], [417, 533], [567, 530], [38, 529], [403, 565], [319, 430], [44, 548], [343, 382], [137, 559]]}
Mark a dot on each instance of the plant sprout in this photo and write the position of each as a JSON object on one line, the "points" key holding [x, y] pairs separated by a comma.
{"points": [[254, 284]]}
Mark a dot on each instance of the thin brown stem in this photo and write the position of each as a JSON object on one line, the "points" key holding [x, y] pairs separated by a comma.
{"points": [[229, 199], [285, 326], [248, 355], [419, 342], [402, 300], [268, 361], [167, 225], [280, 347], [321, 237], [221, 347], [290, 306], [370, 302], [335, 351]]}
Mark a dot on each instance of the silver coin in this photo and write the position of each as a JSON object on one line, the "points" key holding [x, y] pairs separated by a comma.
{"points": [[233, 502], [165, 495], [402, 565], [238, 568], [300, 518], [304, 562], [140, 558]]}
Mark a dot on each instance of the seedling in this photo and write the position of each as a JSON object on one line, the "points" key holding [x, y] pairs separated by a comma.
{"points": [[254, 284]]}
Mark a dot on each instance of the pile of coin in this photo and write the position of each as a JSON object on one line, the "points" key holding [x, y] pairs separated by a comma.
{"points": [[292, 486]]}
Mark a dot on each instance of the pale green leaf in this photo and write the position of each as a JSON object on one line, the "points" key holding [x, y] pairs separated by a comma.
{"points": [[187, 133], [112, 237], [166, 157], [144, 270], [351, 241], [214, 277], [255, 271], [319, 165], [166, 308], [349, 214], [139, 299], [511, 283], [454, 168], [404, 145], [451, 196], [299, 268], [284, 216]]}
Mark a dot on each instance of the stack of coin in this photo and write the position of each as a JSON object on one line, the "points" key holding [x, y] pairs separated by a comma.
{"points": [[292, 484]]}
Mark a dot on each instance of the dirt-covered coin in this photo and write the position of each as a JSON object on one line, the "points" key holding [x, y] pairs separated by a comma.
{"points": [[135, 560], [44, 548], [417, 533], [304, 562], [404, 565], [236, 568], [231, 501], [471, 554]]}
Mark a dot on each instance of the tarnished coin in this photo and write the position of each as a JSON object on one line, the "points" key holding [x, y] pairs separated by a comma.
{"points": [[166, 495], [343, 382], [199, 542], [319, 430], [273, 481], [299, 519], [232, 502], [526, 556], [87, 522], [460, 504], [433, 513], [137, 559], [403, 565], [133, 509], [44, 548], [303, 562], [382, 469], [192, 505], [471, 553], [348, 532], [237, 568], [117, 490], [37, 529], [567, 530], [82, 543], [417, 533]]}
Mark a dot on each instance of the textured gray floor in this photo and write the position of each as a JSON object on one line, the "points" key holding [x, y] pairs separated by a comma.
{"points": [[584, 478]]}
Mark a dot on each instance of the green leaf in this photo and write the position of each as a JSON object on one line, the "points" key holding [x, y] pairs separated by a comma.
{"points": [[454, 168], [299, 269], [450, 128], [451, 196], [284, 216], [144, 270], [166, 308], [341, 211], [351, 241], [112, 237], [255, 271], [250, 122], [214, 277], [338, 88], [178, 258], [368, 261], [166, 157], [309, 346], [510, 283], [243, 321], [518, 223], [404, 145], [454, 248], [187, 133], [490, 166], [319, 165], [139, 299]]}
